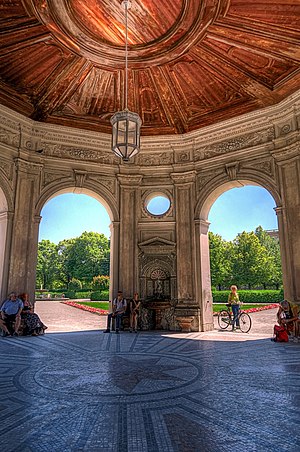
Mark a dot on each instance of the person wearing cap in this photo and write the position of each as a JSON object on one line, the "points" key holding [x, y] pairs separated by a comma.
{"points": [[119, 306], [11, 313]]}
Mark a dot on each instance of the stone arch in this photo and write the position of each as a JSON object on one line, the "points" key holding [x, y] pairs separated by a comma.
{"points": [[102, 195], [212, 190], [219, 185]]}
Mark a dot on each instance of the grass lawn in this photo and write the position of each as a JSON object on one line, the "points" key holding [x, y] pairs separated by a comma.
{"points": [[219, 307], [95, 304]]}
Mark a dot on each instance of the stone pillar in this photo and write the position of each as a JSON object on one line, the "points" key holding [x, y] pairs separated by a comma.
{"points": [[114, 259], [204, 295], [184, 201], [24, 239], [6, 223], [288, 161], [187, 311], [128, 255]]}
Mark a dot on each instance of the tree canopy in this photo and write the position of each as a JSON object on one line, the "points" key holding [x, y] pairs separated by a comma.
{"points": [[252, 259], [79, 258]]}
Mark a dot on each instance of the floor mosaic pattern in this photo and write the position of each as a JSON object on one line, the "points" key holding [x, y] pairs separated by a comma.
{"points": [[89, 391]]}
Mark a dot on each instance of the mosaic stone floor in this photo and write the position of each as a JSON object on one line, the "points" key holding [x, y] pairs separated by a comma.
{"points": [[89, 391]]}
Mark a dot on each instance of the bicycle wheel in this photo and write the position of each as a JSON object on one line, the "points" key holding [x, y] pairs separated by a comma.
{"points": [[245, 322], [224, 319]]}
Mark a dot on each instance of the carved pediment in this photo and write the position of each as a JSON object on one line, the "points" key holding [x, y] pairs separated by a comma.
{"points": [[157, 245]]}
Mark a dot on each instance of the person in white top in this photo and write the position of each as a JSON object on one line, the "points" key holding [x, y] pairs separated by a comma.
{"points": [[118, 309]]}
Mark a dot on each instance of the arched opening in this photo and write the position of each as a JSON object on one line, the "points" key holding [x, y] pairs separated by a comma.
{"points": [[270, 201], [3, 241], [244, 240], [76, 232]]}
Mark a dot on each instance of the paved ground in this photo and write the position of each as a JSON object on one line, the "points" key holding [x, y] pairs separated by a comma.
{"points": [[63, 318], [152, 391]]}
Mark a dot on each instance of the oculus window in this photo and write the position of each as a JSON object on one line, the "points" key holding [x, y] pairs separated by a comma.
{"points": [[158, 205]]}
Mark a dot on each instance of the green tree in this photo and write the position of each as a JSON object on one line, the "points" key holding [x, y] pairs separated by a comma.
{"points": [[100, 283], [250, 260], [84, 257], [220, 262], [64, 249], [48, 265], [273, 250], [75, 284]]}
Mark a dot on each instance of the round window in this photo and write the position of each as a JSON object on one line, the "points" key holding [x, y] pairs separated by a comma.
{"points": [[158, 205]]}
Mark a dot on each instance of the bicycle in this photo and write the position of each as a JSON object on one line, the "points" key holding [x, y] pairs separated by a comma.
{"points": [[225, 319]]}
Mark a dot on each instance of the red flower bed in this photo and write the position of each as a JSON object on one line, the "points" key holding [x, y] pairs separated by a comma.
{"points": [[86, 308], [262, 308], [104, 311]]}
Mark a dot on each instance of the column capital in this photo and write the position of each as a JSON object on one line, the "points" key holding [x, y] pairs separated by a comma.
{"points": [[188, 177], [287, 154], [28, 167], [279, 210], [130, 180], [203, 225]]}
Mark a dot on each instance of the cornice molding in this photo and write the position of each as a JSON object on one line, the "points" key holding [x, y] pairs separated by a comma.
{"points": [[272, 126]]}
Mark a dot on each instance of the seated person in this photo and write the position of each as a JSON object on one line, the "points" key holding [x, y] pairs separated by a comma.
{"points": [[287, 316], [32, 323], [119, 306], [11, 313]]}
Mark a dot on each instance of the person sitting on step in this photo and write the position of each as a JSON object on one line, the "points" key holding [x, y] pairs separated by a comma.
{"points": [[119, 305], [10, 319]]}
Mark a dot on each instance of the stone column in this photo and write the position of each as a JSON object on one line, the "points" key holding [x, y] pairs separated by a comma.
{"points": [[187, 310], [184, 202], [203, 290], [128, 255], [114, 259], [24, 239], [288, 161], [6, 223]]}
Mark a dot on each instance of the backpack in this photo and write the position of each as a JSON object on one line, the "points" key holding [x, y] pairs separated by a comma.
{"points": [[280, 334]]}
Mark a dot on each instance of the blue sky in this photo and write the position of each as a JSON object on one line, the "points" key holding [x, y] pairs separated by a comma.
{"points": [[237, 210]]}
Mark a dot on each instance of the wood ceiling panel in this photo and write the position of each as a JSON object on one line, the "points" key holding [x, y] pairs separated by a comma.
{"points": [[62, 61]]}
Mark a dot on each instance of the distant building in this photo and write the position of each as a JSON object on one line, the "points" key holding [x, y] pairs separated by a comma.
{"points": [[273, 233]]}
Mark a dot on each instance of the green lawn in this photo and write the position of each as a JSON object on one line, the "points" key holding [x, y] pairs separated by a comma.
{"points": [[95, 304], [219, 307]]}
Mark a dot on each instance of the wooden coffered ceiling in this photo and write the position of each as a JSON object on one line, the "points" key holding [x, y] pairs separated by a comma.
{"points": [[192, 63]]}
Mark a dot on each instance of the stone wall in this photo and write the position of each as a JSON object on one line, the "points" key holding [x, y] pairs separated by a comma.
{"points": [[39, 161]]}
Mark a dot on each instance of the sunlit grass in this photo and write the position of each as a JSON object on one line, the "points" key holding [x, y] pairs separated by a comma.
{"points": [[95, 304]]}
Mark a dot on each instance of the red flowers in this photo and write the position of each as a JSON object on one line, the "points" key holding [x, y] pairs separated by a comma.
{"points": [[262, 308], [86, 308]]}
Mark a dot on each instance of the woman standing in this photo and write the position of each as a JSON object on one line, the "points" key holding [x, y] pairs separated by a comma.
{"points": [[234, 301], [134, 312], [33, 324]]}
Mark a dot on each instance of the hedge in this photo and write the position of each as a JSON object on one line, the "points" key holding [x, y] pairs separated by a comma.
{"points": [[99, 295], [250, 296]]}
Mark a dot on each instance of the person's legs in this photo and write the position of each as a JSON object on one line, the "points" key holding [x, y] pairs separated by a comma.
{"points": [[235, 312], [118, 321], [135, 321], [3, 326], [17, 324], [109, 317]]}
